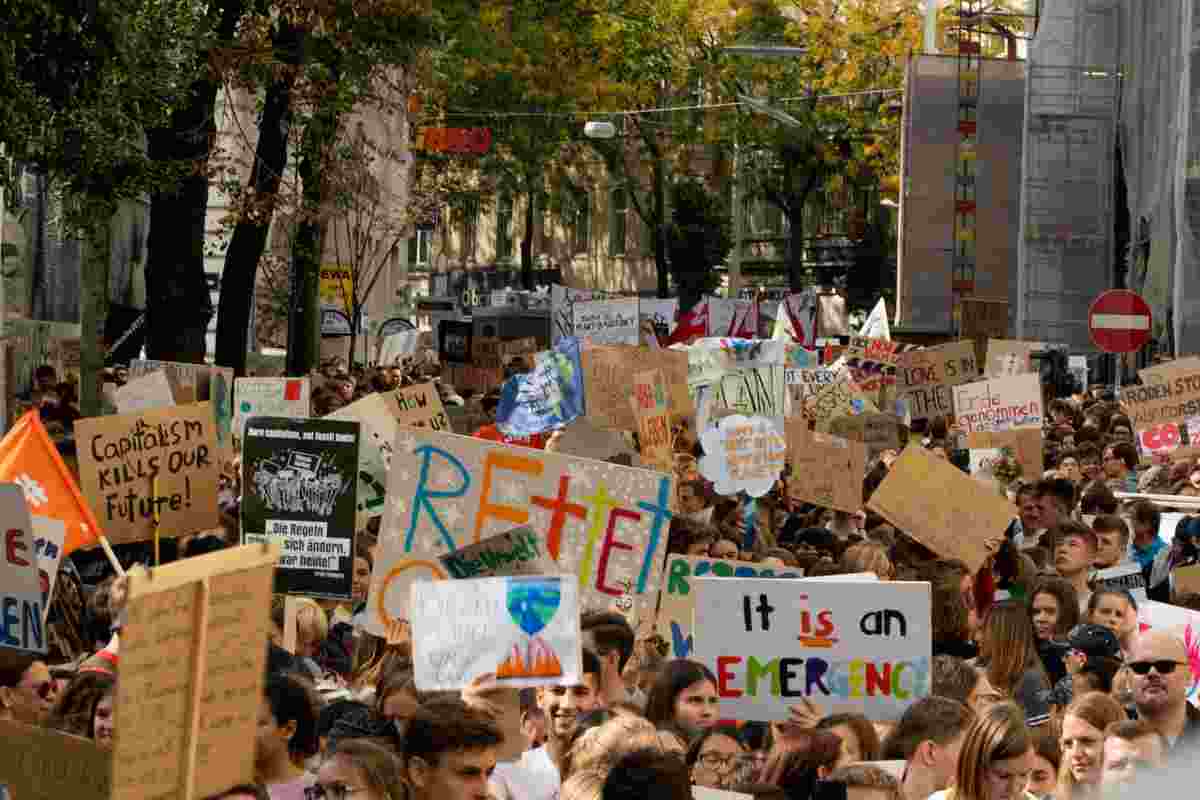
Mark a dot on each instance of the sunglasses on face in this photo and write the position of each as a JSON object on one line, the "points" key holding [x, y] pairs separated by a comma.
{"points": [[1163, 667]]}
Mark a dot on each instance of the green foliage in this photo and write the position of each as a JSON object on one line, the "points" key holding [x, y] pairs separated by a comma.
{"points": [[699, 238]]}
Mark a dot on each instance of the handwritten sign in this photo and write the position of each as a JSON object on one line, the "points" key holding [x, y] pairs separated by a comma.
{"points": [[999, 404], [841, 398], [878, 432], [604, 523], [421, 406], [847, 646], [677, 598], [606, 372], [743, 454], [270, 397], [872, 362], [523, 629], [49, 536], [752, 391], [193, 653], [516, 552], [41, 764], [607, 321], [198, 383], [1123, 577], [121, 457], [1025, 444], [804, 384], [22, 605], [925, 378], [949, 512], [298, 490], [151, 390], [654, 419], [826, 470], [1171, 400], [547, 397], [1008, 357], [376, 415]]}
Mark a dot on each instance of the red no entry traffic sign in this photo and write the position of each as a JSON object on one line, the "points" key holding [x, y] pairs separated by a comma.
{"points": [[1119, 321]]}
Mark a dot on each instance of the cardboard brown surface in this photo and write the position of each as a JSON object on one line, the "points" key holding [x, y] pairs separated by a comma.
{"points": [[878, 432], [1007, 357], [654, 420], [826, 470], [1172, 395], [1026, 444], [984, 318], [925, 378], [941, 507], [41, 764], [996, 404], [421, 407], [606, 375]]}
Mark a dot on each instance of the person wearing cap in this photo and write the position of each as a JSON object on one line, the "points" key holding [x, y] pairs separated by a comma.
{"points": [[1074, 551], [1162, 676]]}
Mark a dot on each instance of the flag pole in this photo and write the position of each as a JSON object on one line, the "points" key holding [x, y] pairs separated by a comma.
{"points": [[112, 557]]}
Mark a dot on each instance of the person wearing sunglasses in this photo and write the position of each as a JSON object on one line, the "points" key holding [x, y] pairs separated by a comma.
{"points": [[1162, 677], [358, 770], [27, 693]]}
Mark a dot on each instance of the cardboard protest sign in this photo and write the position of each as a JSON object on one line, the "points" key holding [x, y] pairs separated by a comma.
{"points": [[270, 397], [872, 362], [1127, 577], [654, 420], [677, 597], [523, 629], [926, 377], [658, 315], [49, 536], [421, 406], [21, 600], [752, 391], [161, 462], [1171, 400], [983, 318], [41, 764], [847, 646], [1008, 357], [198, 383], [949, 512], [516, 552], [468, 377], [376, 415], [193, 652], [605, 523], [299, 487], [1168, 371], [826, 470], [743, 454], [1025, 444], [803, 384], [606, 372], [151, 390], [1162, 439], [607, 321], [547, 397], [842, 398], [1186, 579], [563, 300], [878, 432], [999, 404]]}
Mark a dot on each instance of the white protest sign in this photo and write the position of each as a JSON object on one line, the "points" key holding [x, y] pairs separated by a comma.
{"points": [[743, 454], [523, 629], [705, 793], [607, 321], [269, 397], [151, 390], [1127, 576], [999, 404], [20, 589], [48, 537], [804, 384], [847, 646]]}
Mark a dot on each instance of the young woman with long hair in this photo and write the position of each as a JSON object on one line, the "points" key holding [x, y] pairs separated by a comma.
{"points": [[1083, 744], [1054, 608], [996, 758], [1008, 654]]}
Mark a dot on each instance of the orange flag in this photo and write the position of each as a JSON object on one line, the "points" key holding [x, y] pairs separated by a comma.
{"points": [[29, 459]]}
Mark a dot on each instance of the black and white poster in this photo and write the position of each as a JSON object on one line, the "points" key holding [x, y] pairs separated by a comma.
{"points": [[299, 480]]}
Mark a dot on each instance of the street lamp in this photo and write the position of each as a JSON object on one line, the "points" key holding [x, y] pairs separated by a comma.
{"points": [[764, 51]]}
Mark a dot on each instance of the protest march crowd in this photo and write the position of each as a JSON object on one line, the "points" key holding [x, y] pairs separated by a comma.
{"points": [[628, 539]]}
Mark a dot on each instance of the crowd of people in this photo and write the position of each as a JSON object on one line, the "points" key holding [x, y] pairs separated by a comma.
{"points": [[1042, 683]]}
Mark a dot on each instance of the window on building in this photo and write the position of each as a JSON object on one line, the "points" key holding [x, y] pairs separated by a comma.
{"points": [[619, 207], [420, 246], [504, 224], [467, 208], [577, 216]]}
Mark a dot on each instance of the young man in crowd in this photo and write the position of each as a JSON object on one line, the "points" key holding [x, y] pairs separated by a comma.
{"points": [[1161, 679], [1120, 462], [450, 752], [27, 692], [535, 775], [1112, 538], [1146, 518], [1055, 499], [648, 775], [1131, 748], [608, 635], [928, 739], [1074, 551]]}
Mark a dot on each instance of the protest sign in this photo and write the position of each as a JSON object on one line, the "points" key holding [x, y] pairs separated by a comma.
{"points": [[705, 793], [654, 420], [743, 454], [659, 315], [803, 384], [151, 390], [606, 372], [37, 763], [1024, 443], [983, 318], [468, 377], [396, 348], [752, 391], [872, 362], [878, 432], [842, 398], [1123, 577], [846, 646], [1172, 399], [677, 597], [547, 397], [1161, 439], [198, 383], [161, 464], [193, 652], [1168, 371], [454, 341], [826, 470], [299, 491], [376, 415], [1186, 579], [999, 404], [1008, 357], [949, 512], [607, 321], [516, 552], [270, 397], [49, 536], [421, 406], [563, 300], [21, 598], [926, 377], [605, 523], [525, 630]]}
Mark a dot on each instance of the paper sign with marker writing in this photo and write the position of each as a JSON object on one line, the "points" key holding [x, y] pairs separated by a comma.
{"points": [[1123, 577], [523, 629], [999, 404], [120, 457], [269, 397], [376, 415], [1025, 445], [877, 432], [41, 764], [743, 454], [21, 600], [607, 321], [202, 616], [826, 470], [606, 372], [926, 378], [198, 383], [848, 647], [516, 552], [421, 406], [299, 491], [1007, 357], [604, 523], [654, 420], [949, 512], [151, 390], [804, 384], [49, 536]]}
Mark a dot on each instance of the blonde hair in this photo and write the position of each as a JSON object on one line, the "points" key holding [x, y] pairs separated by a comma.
{"points": [[601, 747], [866, 776], [312, 624], [868, 557], [997, 734], [586, 785], [1099, 710]]}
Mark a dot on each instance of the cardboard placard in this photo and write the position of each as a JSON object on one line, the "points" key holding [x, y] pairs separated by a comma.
{"points": [[1008, 357], [605, 523], [198, 383], [607, 321], [1174, 396], [743, 454], [376, 415], [49, 536], [654, 420], [842, 398], [949, 512], [878, 432], [1127, 577], [1168, 371], [1026, 445], [860, 647], [826, 470], [999, 404], [751, 391], [270, 397], [525, 630], [516, 552], [421, 406], [40, 764], [22, 605], [983, 318], [299, 490], [1187, 579], [803, 384], [468, 377], [926, 377], [547, 397], [151, 390], [872, 362], [193, 652], [606, 372], [677, 597], [120, 457]]}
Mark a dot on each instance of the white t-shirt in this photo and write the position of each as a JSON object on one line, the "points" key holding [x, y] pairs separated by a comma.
{"points": [[532, 777]]}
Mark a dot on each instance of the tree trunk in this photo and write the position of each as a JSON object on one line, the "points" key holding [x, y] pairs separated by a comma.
{"points": [[796, 249], [239, 278], [661, 261], [527, 239], [93, 311]]}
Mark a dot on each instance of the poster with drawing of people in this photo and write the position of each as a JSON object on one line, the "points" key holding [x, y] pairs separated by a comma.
{"points": [[299, 481]]}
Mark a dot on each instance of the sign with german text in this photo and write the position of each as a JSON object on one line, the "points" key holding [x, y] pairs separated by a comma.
{"points": [[999, 404]]}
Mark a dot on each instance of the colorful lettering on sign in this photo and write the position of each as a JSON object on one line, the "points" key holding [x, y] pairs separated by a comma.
{"points": [[817, 677]]}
